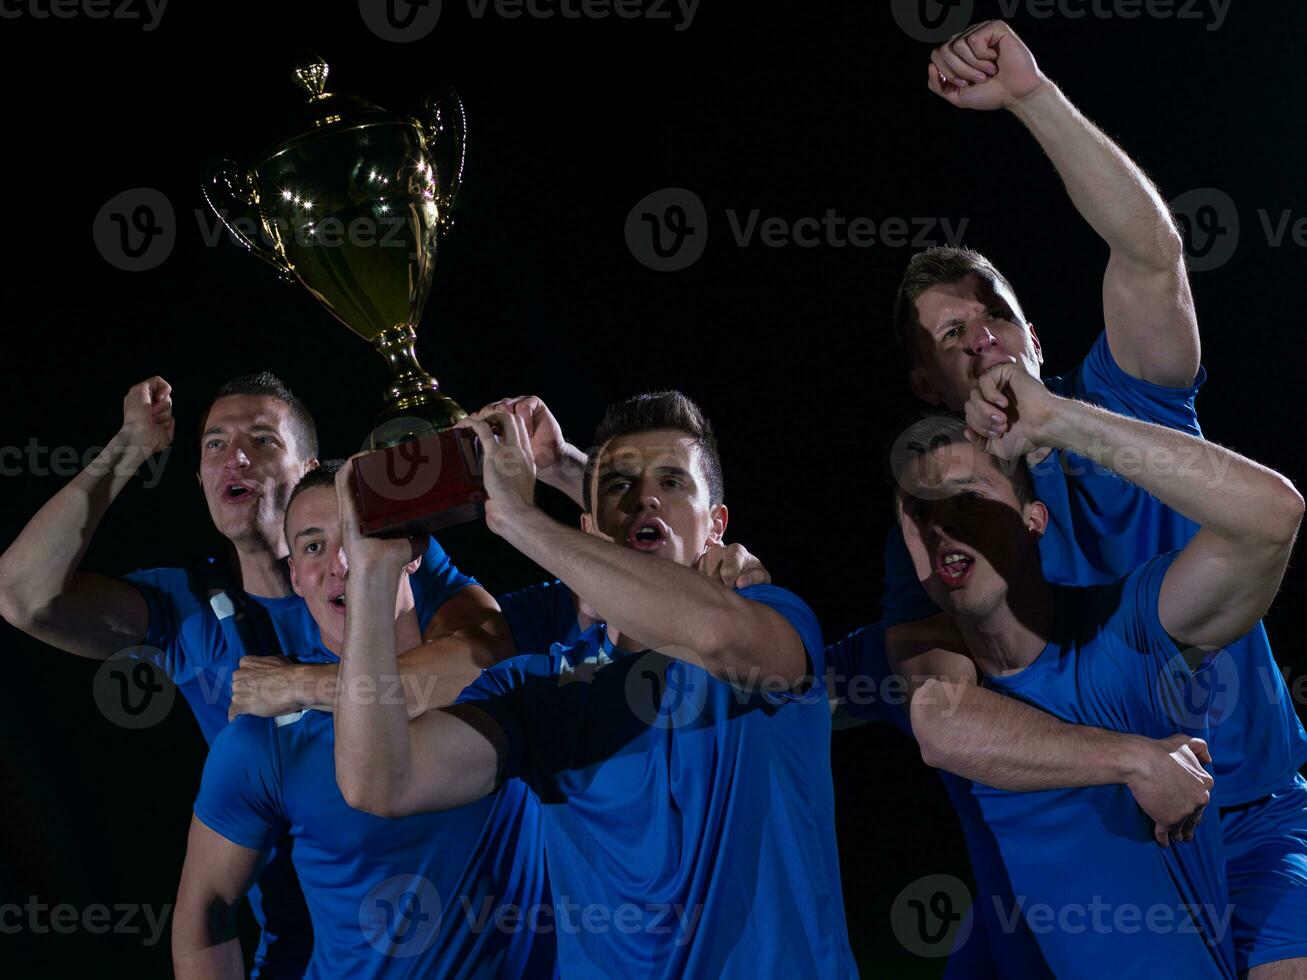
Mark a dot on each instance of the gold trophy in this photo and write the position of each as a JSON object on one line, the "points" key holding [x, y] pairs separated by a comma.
{"points": [[351, 203]]}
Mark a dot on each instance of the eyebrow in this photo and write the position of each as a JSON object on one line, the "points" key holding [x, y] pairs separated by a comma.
{"points": [[256, 427], [609, 475], [307, 531]]}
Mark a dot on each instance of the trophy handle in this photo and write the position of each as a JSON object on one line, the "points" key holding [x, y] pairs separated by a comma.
{"points": [[229, 189], [446, 133]]}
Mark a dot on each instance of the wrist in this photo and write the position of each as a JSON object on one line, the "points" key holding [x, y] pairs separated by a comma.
{"points": [[1129, 757], [1061, 423], [1027, 107], [569, 469]]}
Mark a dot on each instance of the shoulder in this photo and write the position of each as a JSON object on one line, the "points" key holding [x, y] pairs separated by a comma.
{"points": [[797, 612]]}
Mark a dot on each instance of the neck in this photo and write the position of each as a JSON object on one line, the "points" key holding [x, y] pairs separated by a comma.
{"points": [[1010, 637], [262, 572]]}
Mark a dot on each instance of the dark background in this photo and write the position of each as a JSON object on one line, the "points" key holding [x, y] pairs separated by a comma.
{"points": [[791, 109]]}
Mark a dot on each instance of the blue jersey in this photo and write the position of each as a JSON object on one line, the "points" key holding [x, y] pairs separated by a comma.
{"points": [[689, 826], [197, 634], [1100, 528], [432, 895], [1101, 897], [859, 673], [540, 616]]}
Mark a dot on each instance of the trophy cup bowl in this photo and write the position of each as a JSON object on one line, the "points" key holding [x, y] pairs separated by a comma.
{"points": [[351, 204]]}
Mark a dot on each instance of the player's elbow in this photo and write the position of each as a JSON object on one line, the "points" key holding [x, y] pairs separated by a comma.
{"points": [[930, 724], [1284, 516], [372, 796]]}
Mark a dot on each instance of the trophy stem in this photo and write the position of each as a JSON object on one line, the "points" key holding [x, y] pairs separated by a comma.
{"points": [[415, 405]]}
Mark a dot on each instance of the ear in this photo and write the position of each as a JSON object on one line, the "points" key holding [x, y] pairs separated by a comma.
{"points": [[1034, 339], [587, 523], [922, 388], [413, 566], [311, 464], [1035, 518], [719, 516], [294, 580]]}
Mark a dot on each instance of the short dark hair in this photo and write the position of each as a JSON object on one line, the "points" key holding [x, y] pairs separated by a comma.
{"points": [[322, 475], [939, 266], [268, 384], [652, 411], [934, 430]]}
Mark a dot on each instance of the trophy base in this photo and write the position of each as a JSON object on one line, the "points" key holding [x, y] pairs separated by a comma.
{"points": [[421, 485]]}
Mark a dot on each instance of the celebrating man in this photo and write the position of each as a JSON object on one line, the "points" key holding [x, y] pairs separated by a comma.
{"points": [[1116, 656], [681, 752]]}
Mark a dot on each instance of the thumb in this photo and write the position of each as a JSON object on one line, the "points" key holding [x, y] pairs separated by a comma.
{"points": [[1199, 748]]}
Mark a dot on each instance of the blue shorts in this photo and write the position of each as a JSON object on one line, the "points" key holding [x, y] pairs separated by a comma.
{"points": [[1266, 865]]}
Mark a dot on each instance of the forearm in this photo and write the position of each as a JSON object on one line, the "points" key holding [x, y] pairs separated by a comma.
{"points": [[1227, 494], [41, 562], [662, 604], [567, 475], [1108, 189], [1001, 742], [205, 943], [372, 738]]}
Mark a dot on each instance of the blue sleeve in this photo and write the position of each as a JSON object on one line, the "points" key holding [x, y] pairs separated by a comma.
{"points": [[1135, 618], [164, 590], [860, 679], [540, 616], [904, 600], [505, 692], [1100, 381], [435, 582], [240, 792], [804, 621]]}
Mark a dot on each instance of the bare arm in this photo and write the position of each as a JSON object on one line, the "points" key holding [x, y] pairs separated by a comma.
{"points": [[1002, 742], [215, 877], [386, 764], [466, 635], [1224, 580], [1147, 305], [42, 592]]}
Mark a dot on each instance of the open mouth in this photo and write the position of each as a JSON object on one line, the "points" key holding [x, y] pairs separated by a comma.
{"points": [[237, 492], [337, 602], [953, 567], [647, 535]]}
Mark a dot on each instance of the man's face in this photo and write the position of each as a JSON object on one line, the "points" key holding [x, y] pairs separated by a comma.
{"points": [[969, 535], [249, 463], [317, 560], [966, 328], [318, 567], [649, 494]]}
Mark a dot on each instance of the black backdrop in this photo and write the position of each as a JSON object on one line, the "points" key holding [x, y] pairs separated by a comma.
{"points": [[788, 109]]}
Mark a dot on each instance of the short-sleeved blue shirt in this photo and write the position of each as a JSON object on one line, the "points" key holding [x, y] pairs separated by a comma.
{"points": [[1100, 528], [453, 894], [689, 826], [1091, 882], [540, 616], [187, 641]]}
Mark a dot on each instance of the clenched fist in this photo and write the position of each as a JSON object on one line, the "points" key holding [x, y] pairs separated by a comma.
{"points": [[985, 67]]}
